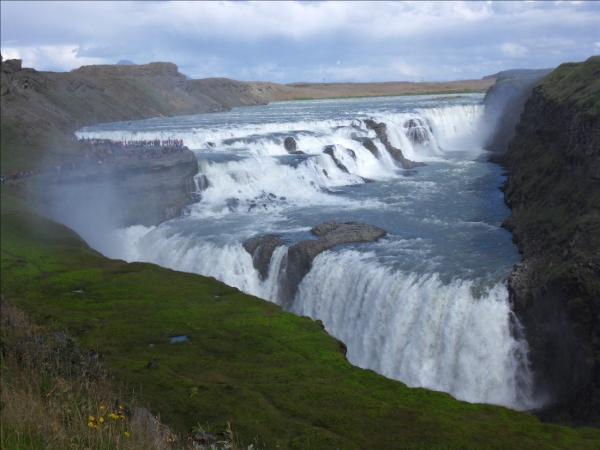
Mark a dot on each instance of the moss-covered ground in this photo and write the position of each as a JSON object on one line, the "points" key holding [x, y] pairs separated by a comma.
{"points": [[278, 378]]}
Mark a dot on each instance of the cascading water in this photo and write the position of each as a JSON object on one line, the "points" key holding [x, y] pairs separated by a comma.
{"points": [[427, 304]]}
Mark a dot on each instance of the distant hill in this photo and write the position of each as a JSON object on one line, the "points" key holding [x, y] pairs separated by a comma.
{"points": [[519, 73], [126, 62]]}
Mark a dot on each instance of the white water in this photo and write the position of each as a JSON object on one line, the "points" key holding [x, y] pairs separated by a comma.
{"points": [[426, 305]]}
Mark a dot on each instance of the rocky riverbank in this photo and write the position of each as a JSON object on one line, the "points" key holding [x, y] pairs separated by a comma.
{"points": [[553, 191]]}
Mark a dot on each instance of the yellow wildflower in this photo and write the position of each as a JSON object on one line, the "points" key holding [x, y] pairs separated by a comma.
{"points": [[113, 416], [92, 418], [102, 408], [91, 424], [127, 433], [101, 419], [121, 416]]}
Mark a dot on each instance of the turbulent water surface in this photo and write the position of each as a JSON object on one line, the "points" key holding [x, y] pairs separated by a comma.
{"points": [[427, 304]]}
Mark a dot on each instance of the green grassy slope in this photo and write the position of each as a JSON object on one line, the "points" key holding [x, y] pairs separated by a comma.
{"points": [[272, 374]]}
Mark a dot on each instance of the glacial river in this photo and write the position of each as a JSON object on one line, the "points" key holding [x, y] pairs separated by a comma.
{"points": [[428, 303]]}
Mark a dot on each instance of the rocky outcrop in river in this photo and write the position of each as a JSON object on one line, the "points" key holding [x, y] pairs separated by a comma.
{"points": [[381, 132], [301, 255], [553, 191]]}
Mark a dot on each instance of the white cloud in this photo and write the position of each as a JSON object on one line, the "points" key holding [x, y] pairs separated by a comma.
{"points": [[287, 41], [514, 50], [63, 57]]}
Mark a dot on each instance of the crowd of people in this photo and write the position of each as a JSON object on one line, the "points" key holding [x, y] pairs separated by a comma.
{"points": [[177, 143], [108, 149]]}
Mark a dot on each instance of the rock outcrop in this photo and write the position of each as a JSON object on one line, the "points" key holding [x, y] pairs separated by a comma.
{"points": [[330, 150], [41, 110], [126, 189], [381, 132], [291, 146], [262, 248], [553, 191], [301, 255]]}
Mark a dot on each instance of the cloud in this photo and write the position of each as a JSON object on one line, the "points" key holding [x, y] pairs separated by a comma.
{"points": [[515, 50], [51, 57], [290, 41]]}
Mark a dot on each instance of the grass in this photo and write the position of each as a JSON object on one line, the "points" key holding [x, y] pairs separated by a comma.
{"points": [[54, 396], [577, 83], [277, 378]]}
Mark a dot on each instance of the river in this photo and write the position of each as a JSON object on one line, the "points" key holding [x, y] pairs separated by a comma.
{"points": [[428, 303]]}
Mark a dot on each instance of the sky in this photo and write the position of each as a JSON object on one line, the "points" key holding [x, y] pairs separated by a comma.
{"points": [[287, 42]]}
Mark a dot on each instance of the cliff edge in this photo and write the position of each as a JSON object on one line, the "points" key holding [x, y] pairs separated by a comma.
{"points": [[553, 191]]}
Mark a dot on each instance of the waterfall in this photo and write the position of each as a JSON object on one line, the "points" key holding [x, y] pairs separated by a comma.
{"points": [[428, 305]]}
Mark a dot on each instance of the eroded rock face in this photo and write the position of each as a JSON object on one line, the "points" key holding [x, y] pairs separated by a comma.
{"points": [[128, 189], [381, 132], [262, 248], [301, 255], [291, 146], [330, 151], [554, 161]]}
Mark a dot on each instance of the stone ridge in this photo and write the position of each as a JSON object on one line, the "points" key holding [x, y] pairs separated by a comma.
{"points": [[553, 191], [301, 255], [119, 70], [381, 132]]}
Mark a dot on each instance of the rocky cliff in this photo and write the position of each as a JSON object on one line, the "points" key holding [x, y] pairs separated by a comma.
{"points": [[554, 193], [41, 110]]}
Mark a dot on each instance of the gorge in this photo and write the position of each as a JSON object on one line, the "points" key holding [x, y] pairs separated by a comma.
{"points": [[444, 248]]}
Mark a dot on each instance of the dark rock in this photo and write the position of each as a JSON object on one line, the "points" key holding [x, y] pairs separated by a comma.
{"points": [[370, 145], [125, 189], [203, 183], [554, 174], [381, 132], [300, 255], [262, 248], [151, 365], [351, 153], [331, 152], [290, 144]]}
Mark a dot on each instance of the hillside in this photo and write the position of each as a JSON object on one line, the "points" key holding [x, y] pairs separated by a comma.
{"points": [[41, 110], [554, 193]]}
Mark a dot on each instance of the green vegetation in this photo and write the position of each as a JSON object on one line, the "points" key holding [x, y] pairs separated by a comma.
{"points": [[576, 83], [273, 375]]}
